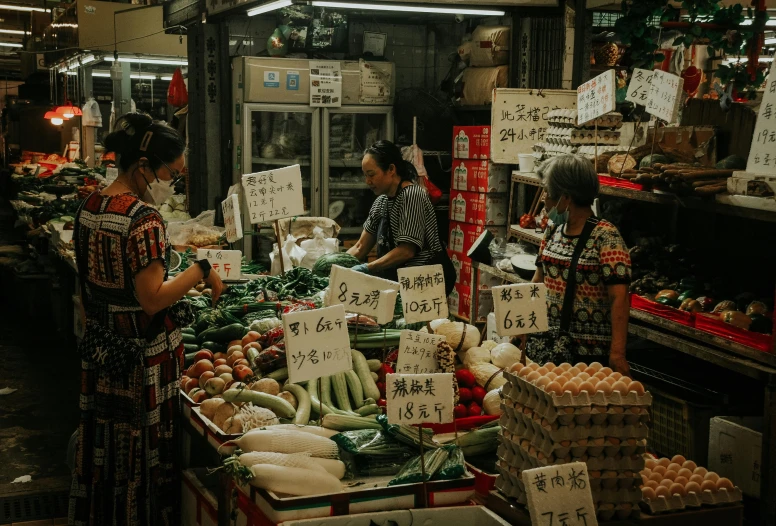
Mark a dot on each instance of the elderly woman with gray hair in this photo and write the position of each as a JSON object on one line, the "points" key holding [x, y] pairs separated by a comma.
{"points": [[588, 316]]}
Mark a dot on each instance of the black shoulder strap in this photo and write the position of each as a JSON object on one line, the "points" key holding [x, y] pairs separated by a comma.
{"points": [[571, 283]]}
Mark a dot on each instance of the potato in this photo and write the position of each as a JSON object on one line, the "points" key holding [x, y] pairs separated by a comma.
{"points": [[266, 385], [233, 425], [209, 407], [223, 412], [290, 398]]}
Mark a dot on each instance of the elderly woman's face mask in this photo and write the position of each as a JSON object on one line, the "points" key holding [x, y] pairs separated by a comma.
{"points": [[555, 215]]}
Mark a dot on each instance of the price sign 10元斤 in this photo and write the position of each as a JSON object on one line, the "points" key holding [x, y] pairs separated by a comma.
{"points": [[423, 293]]}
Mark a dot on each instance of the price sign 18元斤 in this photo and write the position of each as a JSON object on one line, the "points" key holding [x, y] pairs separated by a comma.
{"points": [[419, 398]]}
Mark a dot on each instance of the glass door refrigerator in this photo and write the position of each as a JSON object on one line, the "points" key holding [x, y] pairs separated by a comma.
{"points": [[347, 132]]}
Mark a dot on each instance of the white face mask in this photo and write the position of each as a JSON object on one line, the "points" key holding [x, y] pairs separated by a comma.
{"points": [[158, 192]]}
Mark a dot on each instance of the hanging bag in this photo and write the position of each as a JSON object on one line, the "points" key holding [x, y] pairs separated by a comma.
{"points": [[177, 95]]}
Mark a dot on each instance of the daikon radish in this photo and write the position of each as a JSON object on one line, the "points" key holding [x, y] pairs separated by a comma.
{"points": [[287, 441], [294, 460], [315, 430], [293, 481], [335, 467]]}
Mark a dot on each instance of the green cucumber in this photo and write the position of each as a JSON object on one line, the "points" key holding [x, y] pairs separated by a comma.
{"points": [[340, 387], [234, 331], [302, 416], [188, 359], [374, 365], [279, 375], [214, 347], [189, 330], [276, 404], [349, 423], [362, 370], [189, 338], [371, 409], [356, 389], [190, 347]]}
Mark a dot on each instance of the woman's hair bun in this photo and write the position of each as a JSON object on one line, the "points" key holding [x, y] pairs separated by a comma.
{"points": [[137, 135], [127, 132]]}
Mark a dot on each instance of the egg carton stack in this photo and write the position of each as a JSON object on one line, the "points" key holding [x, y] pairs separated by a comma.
{"points": [[555, 415], [565, 136], [676, 484]]}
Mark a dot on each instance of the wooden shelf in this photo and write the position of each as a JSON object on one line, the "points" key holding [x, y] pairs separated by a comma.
{"points": [[527, 178], [526, 234]]}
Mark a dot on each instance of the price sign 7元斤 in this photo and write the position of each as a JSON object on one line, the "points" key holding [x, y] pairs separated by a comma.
{"points": [[520, 309]]}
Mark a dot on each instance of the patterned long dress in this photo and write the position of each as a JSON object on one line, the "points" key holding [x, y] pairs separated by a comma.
{"points": [[126, 466]]}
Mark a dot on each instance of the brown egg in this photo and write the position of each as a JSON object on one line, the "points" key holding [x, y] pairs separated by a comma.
{"points": [[587, 387], [700, 470], [698, 479], [666, 483], [551, 375], [637, 388], [599, 375], [689, 464], [677, 489], [565, 366], [605, 387], [606, 370], [533, 376], [684, 472], [724, 483], [648, 493], [656, 477], [567, 375], [659, 469], [616, 375], [652, 484], [644, 479], [572, 388], [673, 466], [663, 491], [550, 366], [645, 471], [554, 387], [595, 365], [626, 380], [692, 487], [670, 475], [533, 366], [678, 459], [577, 380], [542, 370], [525, 371], [609, 380], [711, 476], [542, 382], [664, 462], [581, 366], [650, 463], [709, 485], [620, 388], [590, 371], [583, 376], [681, 480], [574, 371]]}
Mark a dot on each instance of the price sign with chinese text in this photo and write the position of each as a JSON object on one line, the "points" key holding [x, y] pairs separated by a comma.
{"points": [[595, 97], [638, 87], [232, 222], [423, 293], [560, 495], [317, 343], [520, 309], [419, 398], [417, 352], [665, 94], [274, 195], [762, 155], [227, 263], [362, 294]]}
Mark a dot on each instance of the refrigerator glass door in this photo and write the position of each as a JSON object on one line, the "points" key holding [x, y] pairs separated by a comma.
{"points": [[347, 132]]}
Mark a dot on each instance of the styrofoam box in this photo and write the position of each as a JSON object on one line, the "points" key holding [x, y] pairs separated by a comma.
{"points": [[199, 507], [735, 451], [478, 515]]}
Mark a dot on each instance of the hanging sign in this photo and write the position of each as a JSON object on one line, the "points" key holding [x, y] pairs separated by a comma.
{"points": [[560, 494], [520, 309], [317, 343], [417, 352], [232, 221], [423, 293], [226, 263], [596, 97], [274, 194], [325, 84], [665, 94], [762, 155], [419, 398], [638, 87], [362, 294]]}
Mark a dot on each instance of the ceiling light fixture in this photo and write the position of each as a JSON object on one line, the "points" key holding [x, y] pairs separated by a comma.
{"points": [[10, 44], [166, 78], [56, 118], [68, 111], [408, 8], [161, 62], [269, 6], [14, 32], [7, 7], [105, 74], [143, 77], [742, 60]]}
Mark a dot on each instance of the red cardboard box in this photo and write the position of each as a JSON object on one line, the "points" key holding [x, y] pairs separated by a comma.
{"points": [[463, 235], [471, 142], [460, 301], [479, 209], [480, 176]]}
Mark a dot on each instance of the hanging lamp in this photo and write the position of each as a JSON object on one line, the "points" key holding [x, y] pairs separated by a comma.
{"points": [[57, 119], [69, 111]]}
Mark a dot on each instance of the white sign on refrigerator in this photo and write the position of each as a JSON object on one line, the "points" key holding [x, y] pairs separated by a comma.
{"points": [[423, 293], [665, 94], [232, 222], [274, 194], [596, 97], [762, 155], [325, 84]]}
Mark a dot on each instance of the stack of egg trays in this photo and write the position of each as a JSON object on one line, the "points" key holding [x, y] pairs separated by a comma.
{"points": [[568, 119], [587, 136], [691, 500]]}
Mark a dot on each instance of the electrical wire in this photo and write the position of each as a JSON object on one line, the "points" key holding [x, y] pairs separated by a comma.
{"points": [[102, 45]]}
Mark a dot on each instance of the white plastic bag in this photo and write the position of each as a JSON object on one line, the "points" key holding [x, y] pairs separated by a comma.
{"points": [[293, 255], [316, 247], [275, 268]]}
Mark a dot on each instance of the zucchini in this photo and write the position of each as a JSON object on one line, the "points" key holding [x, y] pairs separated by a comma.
{"points": [[190, 347], [276, 404], [340, 387], [371, 409], [356, 389], [315, 403], [326, 391], [189, 330], [349, 423], [302, 416], [253, 353], [188, 359], [234, 331], [214, 347], [279, 375], [189, 338], [362, 370], [480, 441], [374, 365]]}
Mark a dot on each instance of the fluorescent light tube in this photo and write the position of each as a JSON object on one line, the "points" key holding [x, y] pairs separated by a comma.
{"points": [[10, 44], [143, 77], [161, 62], [13, 32], [742, 60], [167, 78], [269, 6], [769, 23], [8, 7], [770, 41], [101, 74], [407, 8]]}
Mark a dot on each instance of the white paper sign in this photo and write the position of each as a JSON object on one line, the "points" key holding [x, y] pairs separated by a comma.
{"points": [[638, 87], [111, 173], [596, 97], [520, 309], [362, 294], [762, 154], [423, 293], [376, 82], [417, 352], [560, 495], [232, 222], [325, 84], [419, 398], [665, 94], [274, 194], [317, 343], [227, 263]]}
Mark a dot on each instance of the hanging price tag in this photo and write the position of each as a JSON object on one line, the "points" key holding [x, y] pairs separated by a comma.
{"points": [[559, 495], [227, 263], [274, 195], [419, 398], [232, 222], [368, 295], [423, 293], [417, 352], [520, 309], [317, 343]]}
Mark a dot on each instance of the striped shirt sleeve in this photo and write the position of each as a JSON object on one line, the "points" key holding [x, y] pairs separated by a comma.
{"points": [[412, 224], [373, 220]]}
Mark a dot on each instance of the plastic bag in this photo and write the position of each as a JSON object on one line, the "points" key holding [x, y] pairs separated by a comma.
{"points": [[454, 467], [412, 471], [275, 268], [369, 452], [177, 95], [316, 247], [198, 231]]}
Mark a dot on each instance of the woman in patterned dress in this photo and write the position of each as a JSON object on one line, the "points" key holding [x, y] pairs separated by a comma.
{"points": [[126, 466], [598, 327]]}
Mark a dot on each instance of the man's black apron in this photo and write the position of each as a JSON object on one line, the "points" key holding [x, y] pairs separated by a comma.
{"points": [[386, 243]]}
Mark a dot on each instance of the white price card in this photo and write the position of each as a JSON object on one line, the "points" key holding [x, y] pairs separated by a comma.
{"points": [[111, 173], [638, 87], [273, 195], [227, 263], [520, 309], [317, 343], [417, 352], [423, 293], [232, 222], [596, 97], [762, 154], [362, 294], [419, 398], [325, 84], [559, 495], [665, 94]]}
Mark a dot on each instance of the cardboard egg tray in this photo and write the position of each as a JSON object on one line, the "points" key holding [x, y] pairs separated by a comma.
{"points": [[581, 416], [607, 511], [691, 500], [582, 137], [610, 120], [589, 151]]}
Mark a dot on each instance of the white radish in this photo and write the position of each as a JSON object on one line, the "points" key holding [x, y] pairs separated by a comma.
{"points": [[286, 441], [315, 430], [294, 460], [293, 481], [335, 467]]}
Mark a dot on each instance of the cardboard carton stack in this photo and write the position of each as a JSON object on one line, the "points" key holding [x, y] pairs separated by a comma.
{"points": [[544, 424], [479, 199]]}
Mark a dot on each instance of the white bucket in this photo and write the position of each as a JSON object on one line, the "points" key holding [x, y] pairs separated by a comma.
{"points": [[527, 162]]}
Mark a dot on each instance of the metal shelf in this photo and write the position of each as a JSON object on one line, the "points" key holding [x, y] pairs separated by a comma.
{"points": [[280, 162], [493, 271], [345, 163], [348, 186], [526, 234], [527, 178]]}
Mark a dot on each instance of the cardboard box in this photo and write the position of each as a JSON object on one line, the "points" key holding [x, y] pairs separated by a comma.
{"points": [[479, 209], [471, 142], [199, 505], [478, 515], [480, 176], [694, 142], [735, 451], [461, 236]]}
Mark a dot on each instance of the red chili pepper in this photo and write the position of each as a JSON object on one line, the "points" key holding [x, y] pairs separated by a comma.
{"points": [[384, 369], [381, 388]]}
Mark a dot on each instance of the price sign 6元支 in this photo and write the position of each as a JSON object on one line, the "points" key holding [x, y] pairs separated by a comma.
{"points": [[520, 309]]}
